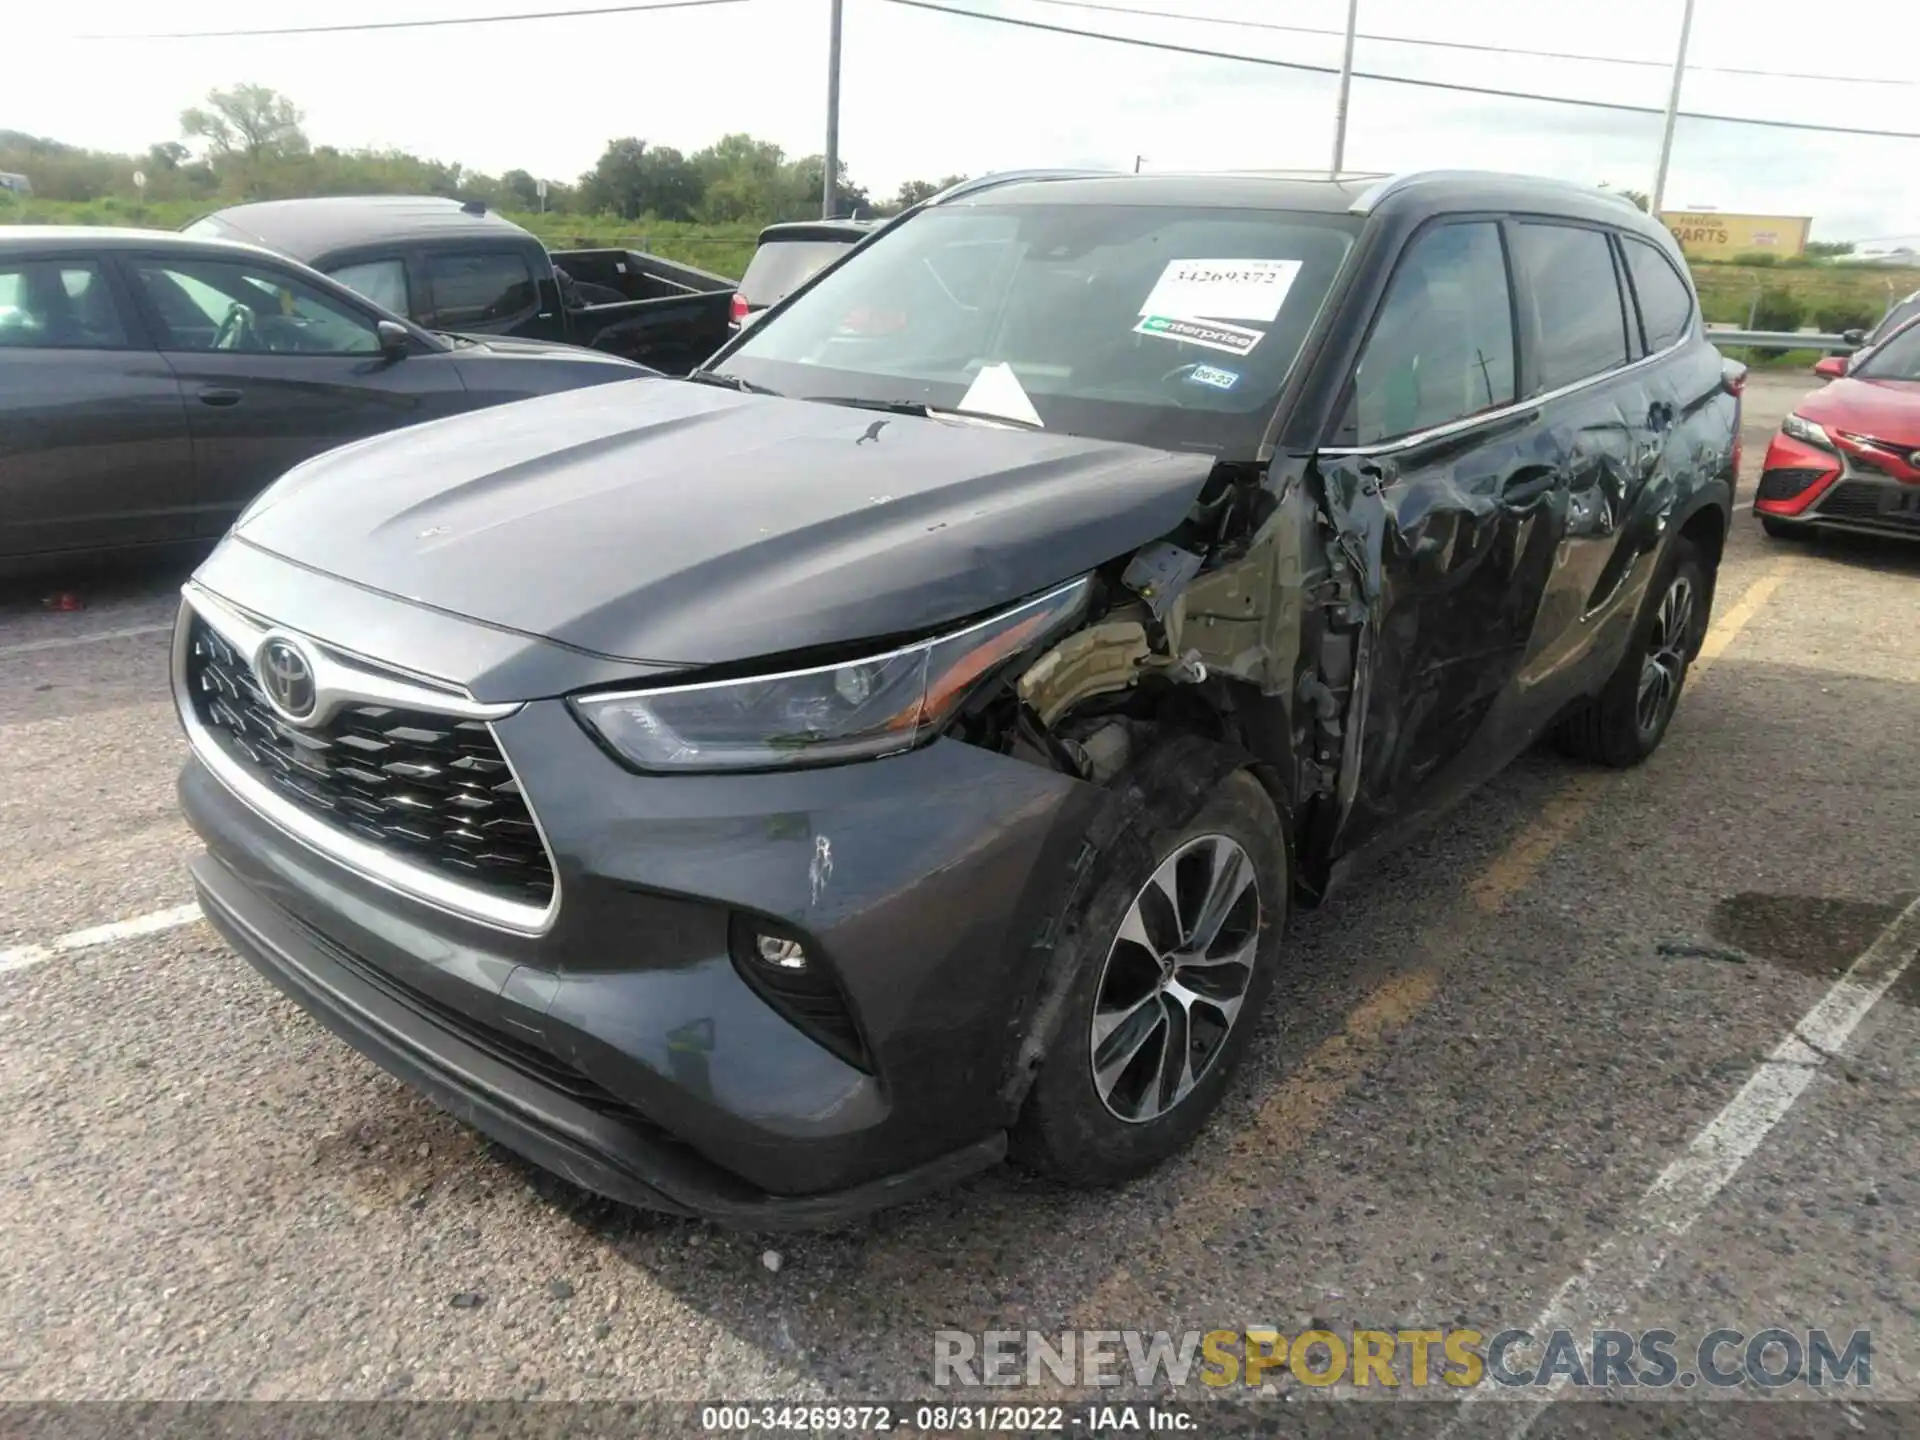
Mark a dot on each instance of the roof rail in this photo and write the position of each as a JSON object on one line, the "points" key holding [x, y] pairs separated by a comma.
{"points": [[1013, 177], [1371, 199]]}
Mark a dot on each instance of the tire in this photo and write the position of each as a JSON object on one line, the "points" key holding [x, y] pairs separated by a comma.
{"points": [[1619, 728], [1782, 529], [1088, 1130]]}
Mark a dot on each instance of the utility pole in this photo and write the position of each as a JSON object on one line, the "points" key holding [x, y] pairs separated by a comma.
{"points": [[829, 185], [1346, 85], [1137, 162], [1673, 109]]}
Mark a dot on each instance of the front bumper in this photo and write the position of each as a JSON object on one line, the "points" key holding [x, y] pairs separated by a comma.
{"points": [[621, 1044], [1804, 484], [517, 1100]]}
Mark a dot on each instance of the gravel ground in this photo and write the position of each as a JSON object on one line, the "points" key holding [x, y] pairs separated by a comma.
{"points": [[1480, 1057]]}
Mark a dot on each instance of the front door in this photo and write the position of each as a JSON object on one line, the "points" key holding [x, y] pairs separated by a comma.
{"points": [[274, 371], [94, 452], [1459, 505]]}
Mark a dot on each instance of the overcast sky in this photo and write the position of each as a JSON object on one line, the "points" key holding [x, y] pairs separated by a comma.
{"points": [[925, 94]]}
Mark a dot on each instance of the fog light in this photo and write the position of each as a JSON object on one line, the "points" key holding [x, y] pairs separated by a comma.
{"points": [[780, 952]]}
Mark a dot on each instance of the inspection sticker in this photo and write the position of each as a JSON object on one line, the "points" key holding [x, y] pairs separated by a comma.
{"points": [[1214, 336], [1222, 289], [1213, 377]]}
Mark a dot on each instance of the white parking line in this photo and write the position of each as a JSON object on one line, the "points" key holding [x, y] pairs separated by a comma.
{"points": [[1606, 1282], [61, 642], [20, 957]]}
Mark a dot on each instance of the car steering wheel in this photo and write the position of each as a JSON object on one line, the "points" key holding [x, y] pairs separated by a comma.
{"points": [[237, 326]]}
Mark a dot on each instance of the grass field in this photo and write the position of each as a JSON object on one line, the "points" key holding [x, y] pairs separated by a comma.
{"points": [[1726, 291]]}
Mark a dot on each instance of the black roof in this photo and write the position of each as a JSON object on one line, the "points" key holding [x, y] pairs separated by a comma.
{"points": [[310, 229], [63, 238], [1359, 195]]}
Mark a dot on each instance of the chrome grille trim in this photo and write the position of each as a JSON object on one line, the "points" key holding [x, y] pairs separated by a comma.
{"points": [[348, 683]]}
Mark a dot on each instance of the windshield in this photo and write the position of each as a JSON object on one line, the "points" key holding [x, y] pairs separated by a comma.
{"points": [[779, 266], [1173, 327], [1896, 358]]}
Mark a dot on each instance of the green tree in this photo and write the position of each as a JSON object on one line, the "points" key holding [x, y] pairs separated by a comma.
{"points": [[249, 122], [912, 192], [1828, 249], [633, 179], [1640, 198]]}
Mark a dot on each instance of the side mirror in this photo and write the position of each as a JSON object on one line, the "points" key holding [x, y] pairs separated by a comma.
{"points": [[1854, 337], [1833, 367], [395, 342]]}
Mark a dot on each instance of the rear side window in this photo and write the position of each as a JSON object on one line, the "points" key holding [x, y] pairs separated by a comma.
{"points": [[384, 282], [779, 267], [58, 305], [1581, 329], [1442, 348], [477, 287], [1666, 305]]}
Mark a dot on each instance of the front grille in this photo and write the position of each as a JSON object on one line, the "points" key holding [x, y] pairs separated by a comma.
{"points": [[1786, 482], [1851, 500], [432, 790]]}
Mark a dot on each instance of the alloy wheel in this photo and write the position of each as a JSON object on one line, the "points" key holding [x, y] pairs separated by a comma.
{"points": [[1175, 978], [1665, 663]]}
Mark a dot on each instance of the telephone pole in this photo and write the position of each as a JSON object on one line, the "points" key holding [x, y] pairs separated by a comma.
{"points": [[1673, 107], [1346, 85], [829, 185]]}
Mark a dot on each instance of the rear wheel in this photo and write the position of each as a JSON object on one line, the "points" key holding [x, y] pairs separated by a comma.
{"points": [[1179, 941], [1626, 722]]}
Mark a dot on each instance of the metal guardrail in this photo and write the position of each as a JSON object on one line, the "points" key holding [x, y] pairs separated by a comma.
{"points": [[1782, 340]]}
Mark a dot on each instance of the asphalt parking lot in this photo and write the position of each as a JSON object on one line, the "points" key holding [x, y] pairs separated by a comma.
{"points": [[1520, 1072]]}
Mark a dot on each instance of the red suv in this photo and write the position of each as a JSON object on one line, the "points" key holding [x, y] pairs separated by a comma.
{"points": [[1848, 458]]}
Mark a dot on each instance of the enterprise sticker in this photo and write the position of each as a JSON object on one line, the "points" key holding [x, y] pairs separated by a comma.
{"points": [[1213, 334]]}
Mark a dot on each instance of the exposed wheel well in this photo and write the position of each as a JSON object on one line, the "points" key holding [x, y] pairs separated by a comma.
{"points": [[1707, 529]]}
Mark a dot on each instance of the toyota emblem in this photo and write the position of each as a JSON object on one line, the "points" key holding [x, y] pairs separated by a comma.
{"points": [[286, 676]]}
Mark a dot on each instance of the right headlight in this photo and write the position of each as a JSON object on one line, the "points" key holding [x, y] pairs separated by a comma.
{"points": [[1801, 428], [856, 711]]}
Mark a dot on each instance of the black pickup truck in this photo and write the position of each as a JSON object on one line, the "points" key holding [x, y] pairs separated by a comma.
{"points": [[460, 268]]}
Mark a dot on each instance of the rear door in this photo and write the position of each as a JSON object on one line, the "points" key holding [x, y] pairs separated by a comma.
{"points": [[275, 370], [1457, 509], [94, 450]]}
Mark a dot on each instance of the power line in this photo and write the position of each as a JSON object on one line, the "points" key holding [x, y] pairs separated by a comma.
{"points": [[1464, 45], [1304, 68], [420, 24]]}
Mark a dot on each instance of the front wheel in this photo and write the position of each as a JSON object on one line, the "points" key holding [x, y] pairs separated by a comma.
{"points": [[1178, 944], [1625, 723]]}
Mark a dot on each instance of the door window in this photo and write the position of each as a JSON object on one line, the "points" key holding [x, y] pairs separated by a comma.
{"points": [[1442, 348], [384, 282], [251, 309], [1580, 325], [478, 288], [58, 304], [1666, 304]]}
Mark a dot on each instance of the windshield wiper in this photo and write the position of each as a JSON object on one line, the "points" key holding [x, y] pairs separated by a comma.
{"points": [[917, 407], [728, 382]]}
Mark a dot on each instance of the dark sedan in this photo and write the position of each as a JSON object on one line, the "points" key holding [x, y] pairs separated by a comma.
{"points": [[151, 385]]}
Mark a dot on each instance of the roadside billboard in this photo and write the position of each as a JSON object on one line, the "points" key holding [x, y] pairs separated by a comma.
{"points": [[1711, 235]]}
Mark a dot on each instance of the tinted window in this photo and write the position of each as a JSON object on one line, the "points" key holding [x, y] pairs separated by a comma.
{"points": [[58, 304], [249, 309], [1666, 305], [384, 282], [1897, 358], [1169, 326], [1582, 329], [477, 288], [1442, 348], [779, 267]]}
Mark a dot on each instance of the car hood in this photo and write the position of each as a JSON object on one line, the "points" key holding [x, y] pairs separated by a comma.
{"points": [[683, 524], [513, 346], [1883, 409]]}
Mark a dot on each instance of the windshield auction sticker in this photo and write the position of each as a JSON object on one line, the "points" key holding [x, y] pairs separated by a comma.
{"points": [[1222, 289], [1233, 339]]}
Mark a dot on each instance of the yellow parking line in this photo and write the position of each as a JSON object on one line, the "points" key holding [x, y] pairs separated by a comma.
{"points": [[1296, 1108]]}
